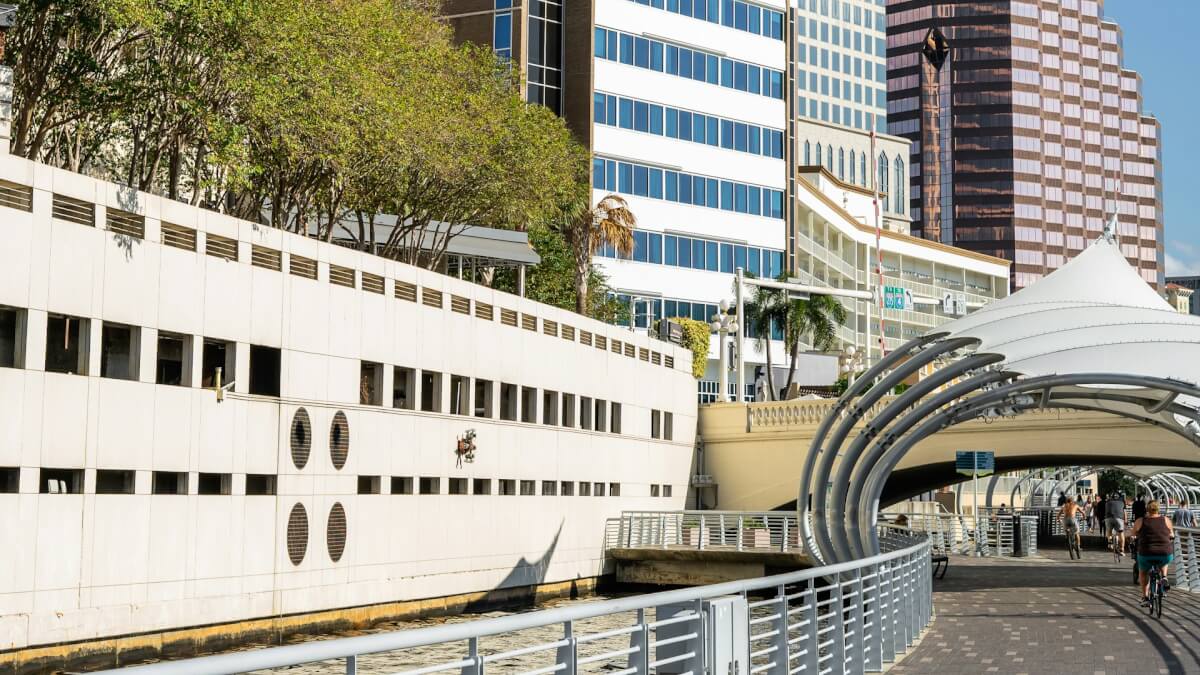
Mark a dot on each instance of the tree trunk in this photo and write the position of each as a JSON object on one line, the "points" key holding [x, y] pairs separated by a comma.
{"points": [[581, 286], [792, 368], [770, 374]]}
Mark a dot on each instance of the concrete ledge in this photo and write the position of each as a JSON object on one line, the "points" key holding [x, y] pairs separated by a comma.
{"points": [[693, 567], [195, 640]]}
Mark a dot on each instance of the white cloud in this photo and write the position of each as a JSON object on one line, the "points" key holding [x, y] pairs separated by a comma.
{"points": [[1182, 259]]}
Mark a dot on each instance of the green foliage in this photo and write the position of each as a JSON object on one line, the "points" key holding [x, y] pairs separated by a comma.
{"points": [[696, 336], [900, 388], [553, 280], [1112, 480], [315, 117]]}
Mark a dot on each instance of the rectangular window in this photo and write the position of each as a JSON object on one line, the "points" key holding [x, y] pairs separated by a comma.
{"points": [[655, 424], [614, 489], [550, 407], [507, 487], [60, 481], [216, 355], [370, 383], [653, 490], [457, 486], [529, 405], [549, 488], [668, 426], [118, 351], [585, 489], [369, 484], [567, 488], [265, 368], [598, 489], [403, 392], [460, 395], [114, 482], [66, 344], [599, 416], [169, 483], [402, 485], [666, 490], [12, 341], [263, 484], [431, 391], [508, 402], [430, 485], [174, 360], [585, 413], [614, 418], [483, 398], [528, 488], [214, 484], [481, 486], [568, 410]]}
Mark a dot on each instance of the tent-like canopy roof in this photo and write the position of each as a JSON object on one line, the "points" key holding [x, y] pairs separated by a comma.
{"points": [[1092, 335]]}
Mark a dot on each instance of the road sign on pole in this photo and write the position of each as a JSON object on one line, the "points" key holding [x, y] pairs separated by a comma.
{"points": [[975, 463]]}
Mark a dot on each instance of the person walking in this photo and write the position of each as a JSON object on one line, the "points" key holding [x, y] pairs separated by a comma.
{"points": [[1087, 516], [1139, 507], [1183, 516]]}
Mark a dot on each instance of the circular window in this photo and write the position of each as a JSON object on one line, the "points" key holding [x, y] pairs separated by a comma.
{"points": [[301, 438], [297, 534], [339, 440], [335, 532]]}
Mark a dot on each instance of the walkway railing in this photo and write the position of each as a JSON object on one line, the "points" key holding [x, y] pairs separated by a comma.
{"points": [[1185, 568], [997, 535], [705, 530], [847, 618]]}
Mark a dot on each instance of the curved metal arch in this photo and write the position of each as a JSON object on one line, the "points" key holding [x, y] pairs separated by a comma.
{"points": [[884, 440], [849, 459], [977, 404], [860, 384]]}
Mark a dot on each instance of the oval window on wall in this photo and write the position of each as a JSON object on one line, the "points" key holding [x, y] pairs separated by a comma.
{"points": [[301, 438], [335, 532], [339, 440], [297, 534]]}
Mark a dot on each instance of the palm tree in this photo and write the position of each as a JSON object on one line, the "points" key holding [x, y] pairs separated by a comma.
{"points": [[610, 222], [818, 318], [767, 307]]}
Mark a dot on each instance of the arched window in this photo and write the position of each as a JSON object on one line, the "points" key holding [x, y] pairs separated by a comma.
{"points": [[841, 164], [829, 158], [852, 181], [882, 172], [818, 154], [807, 153], [862, 168], [900, 186]]}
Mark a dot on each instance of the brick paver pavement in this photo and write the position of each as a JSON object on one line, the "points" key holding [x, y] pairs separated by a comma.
{"points": [[1053, 615]]}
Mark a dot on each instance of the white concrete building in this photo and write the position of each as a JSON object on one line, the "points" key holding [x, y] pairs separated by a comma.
{"points": [[136, 498]]}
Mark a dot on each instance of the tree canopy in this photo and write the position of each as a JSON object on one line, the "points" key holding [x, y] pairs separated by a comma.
{"points": [[313, 117]]}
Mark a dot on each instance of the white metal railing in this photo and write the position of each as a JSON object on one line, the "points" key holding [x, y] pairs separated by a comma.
{"points": [[705, 530], [1185, 568], [992, 535], [847, 618]]}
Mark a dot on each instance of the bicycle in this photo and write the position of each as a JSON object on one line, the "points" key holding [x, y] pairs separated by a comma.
{"points": [[1114, 539], [1073, 543], [1155, 591]]}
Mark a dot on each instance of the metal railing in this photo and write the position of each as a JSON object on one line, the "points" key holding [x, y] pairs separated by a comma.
{"points": [[705, 530], [847, 618], [994, 534], [1185, 568]]}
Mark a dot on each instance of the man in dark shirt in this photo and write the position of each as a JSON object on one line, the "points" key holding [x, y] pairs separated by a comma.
{"points": [[1114, 520], [1139, 508]]}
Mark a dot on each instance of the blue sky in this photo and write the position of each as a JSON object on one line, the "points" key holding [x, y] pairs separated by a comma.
{"points": [[1159, 40]]}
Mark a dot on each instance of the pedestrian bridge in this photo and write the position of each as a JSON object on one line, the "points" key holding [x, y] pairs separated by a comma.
{"points": [[756, 453]]}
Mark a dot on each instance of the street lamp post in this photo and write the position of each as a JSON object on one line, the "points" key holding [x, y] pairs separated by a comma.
{"points": [[850, 362], [722, 324]]}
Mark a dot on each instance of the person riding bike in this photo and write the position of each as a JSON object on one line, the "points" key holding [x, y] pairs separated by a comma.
{"points": [[1114, 520], [1155, 547], [1070, 526]]}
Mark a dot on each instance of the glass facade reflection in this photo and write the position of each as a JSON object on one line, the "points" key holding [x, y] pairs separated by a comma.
{"points": [[1027, 133]]}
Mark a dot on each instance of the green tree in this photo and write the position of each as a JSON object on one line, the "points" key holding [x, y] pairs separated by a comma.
{"points": [[609, 223], [552, 281], [766, 308], [814, 321]]}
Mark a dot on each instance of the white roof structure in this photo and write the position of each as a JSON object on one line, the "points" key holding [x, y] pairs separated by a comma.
{"points": [[1090, 336]]}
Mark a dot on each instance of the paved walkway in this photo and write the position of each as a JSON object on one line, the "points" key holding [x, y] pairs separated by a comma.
{"points": [[1053, 615]]}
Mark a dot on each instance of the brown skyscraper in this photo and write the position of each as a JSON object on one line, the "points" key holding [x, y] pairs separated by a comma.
{"points": [[1028, 134]]}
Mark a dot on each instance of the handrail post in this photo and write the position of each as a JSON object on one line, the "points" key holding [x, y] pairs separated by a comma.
{"points": [[639, 642], [782, 657], [703, 533], [568, 654], [476, 667], [740, 521], [857, 626], [352, 664], [783, 544]]}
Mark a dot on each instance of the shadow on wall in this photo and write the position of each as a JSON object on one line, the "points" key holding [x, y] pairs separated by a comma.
{"points": [[523, 580]]}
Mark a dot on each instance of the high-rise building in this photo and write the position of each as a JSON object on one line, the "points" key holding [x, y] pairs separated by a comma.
{"points": [[682, 105], [1182, 284], [1027, 132]]}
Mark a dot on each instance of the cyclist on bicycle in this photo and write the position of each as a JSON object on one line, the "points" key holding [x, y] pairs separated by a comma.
{"points": [[1070, 526], [1114, 520], [1154, 546]]}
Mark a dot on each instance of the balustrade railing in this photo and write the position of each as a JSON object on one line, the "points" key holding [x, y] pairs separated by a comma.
{"points": [[848, 618], [705, 530]]}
